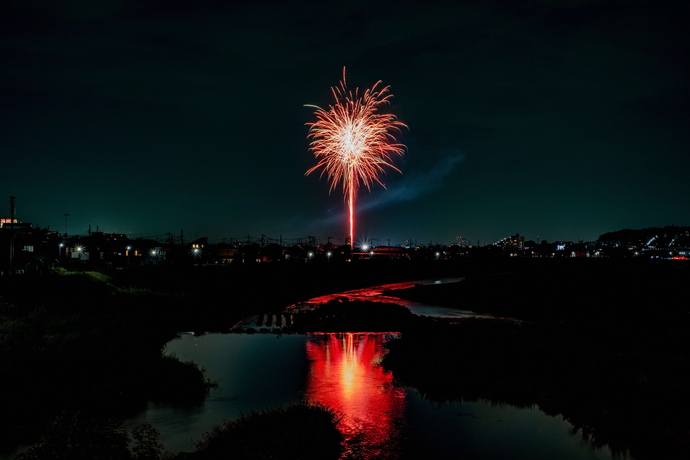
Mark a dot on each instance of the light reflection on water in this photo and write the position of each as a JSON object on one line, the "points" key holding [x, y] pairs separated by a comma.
{"points": [[376, 294], [380, 420], [344, 375]]}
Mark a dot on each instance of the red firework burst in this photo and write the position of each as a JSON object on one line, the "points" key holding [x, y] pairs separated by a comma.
{"points": [[354, 142]]}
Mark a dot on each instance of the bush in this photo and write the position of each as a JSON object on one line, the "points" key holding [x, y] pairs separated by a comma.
{"points": [[300, 431], [177, 381], [75, 436], [148, 446]]}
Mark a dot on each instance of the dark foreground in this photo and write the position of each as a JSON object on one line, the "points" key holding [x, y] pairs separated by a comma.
{"points": [[79, 346], [602, 342]]}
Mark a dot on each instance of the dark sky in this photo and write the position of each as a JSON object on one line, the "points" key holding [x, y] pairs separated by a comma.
{"points": [[553, 119]]}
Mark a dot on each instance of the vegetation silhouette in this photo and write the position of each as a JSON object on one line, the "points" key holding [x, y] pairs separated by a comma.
{"points": [[602, 343], [80, 436], [98, 338], [298, 431]]}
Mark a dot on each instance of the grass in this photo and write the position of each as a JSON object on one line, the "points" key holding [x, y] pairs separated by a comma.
{"points": [[98, 337], [300, 431], [74, 341], [83, 436], [605, 345]]}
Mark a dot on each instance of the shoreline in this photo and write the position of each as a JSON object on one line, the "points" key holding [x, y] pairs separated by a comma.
{"points": [[639, 310], [614, 364]]}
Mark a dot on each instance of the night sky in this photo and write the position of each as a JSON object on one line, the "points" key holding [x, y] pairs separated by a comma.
{"points": [[558, 120]]}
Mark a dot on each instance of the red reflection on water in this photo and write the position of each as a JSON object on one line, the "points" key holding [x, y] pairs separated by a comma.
{"points": [[345, 376], [372, 293]]}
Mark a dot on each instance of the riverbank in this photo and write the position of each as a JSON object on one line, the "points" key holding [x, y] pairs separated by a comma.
{"points": [[92, 342], [95, 340], [75, 343], [603, 344]]}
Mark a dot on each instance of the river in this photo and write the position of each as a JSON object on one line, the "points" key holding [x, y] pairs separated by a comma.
{"points": [[381, 420], [382, 293]]}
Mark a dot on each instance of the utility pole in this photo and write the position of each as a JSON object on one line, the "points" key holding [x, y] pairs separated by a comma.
{"points": [[12, 210]]}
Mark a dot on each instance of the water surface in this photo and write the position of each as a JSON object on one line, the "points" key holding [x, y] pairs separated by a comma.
{"points": [[380, 419], [381, 294]]}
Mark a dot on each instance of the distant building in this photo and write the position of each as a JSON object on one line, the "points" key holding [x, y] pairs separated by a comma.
{"points": [[517, 241], [563, 245], [225, 253], [512, 242]]}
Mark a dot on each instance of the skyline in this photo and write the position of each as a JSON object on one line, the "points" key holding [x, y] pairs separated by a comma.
{"points": [[554, 120]]}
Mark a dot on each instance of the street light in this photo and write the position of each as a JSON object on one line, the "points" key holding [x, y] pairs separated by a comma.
{"points": [[79, 249]]}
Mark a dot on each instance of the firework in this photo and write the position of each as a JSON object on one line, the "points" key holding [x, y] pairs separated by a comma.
{"points": [[353, 142]]}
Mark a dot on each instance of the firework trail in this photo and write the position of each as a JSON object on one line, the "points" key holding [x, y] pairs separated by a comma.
{"points": [[353, 142]]}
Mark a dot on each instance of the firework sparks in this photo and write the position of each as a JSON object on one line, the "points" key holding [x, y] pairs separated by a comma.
{"points": [[354, 142]]}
